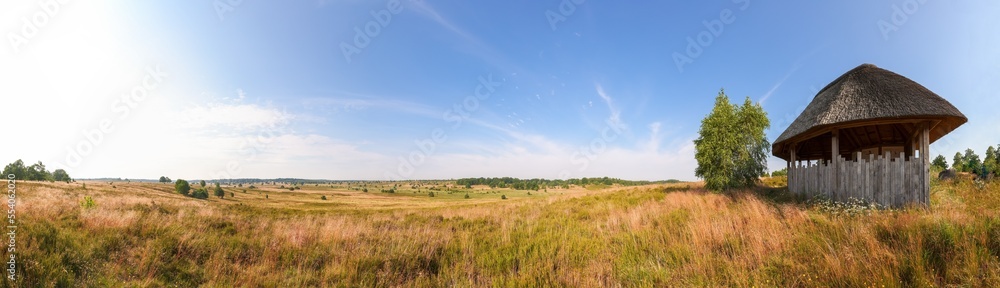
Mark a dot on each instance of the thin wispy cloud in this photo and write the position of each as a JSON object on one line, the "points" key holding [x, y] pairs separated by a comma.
{"points": [[427, 11], [615, 114], [791, 71], [478, 47]]}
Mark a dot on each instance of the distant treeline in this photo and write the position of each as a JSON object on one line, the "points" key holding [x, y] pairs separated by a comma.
{"points": [[535, 184], [35, 172]]}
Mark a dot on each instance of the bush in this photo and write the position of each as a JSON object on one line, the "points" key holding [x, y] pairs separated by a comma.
{"points": [[431, 194], [504, 197], [200, 193], [88, 202], [323, 198], [218, 191], [782, 172], [467, 196], [182, 187], [60, 175]]}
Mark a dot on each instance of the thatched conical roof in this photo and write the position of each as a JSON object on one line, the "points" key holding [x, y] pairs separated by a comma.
{"points": [[889, 104]]}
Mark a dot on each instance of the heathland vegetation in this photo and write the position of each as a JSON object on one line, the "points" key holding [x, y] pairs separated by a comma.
{"points": [[587, 232], [147, 234]]}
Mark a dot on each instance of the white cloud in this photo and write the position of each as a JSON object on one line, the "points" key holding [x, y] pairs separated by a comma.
{"points": [[615, 114], [236, 116]]}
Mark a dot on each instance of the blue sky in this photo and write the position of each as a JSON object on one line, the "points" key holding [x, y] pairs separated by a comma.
{"points": [[448, 89]]}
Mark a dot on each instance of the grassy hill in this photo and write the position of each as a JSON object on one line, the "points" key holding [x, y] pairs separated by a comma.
{"points": [[144, 234]]}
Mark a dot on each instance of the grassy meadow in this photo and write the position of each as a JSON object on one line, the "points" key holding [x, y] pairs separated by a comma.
{"points": [[145, 234]]}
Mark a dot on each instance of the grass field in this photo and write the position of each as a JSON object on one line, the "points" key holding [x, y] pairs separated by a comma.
{"points": [[144, 234]]}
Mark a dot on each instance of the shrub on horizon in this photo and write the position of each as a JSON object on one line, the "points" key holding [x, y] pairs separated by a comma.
{"points": [[200, 193], [181, 187]]}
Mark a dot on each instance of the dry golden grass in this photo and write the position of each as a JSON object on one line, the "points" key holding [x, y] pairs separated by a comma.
{"points": [[143, 234]]}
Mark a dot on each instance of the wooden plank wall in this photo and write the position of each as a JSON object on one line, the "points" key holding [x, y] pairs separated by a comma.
{"points": [[884, 179]]}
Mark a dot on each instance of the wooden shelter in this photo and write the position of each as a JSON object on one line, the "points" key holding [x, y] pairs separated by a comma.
{"points": [[866, 135]]}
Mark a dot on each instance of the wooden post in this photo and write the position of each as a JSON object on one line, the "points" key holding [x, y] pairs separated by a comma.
{"points": [[835, 156], [925, 144], [792, 176]]}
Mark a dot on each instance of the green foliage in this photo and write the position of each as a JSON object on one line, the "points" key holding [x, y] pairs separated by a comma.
{"points": [[165, 179], [202, 183], [782, 172], [958, 162], [504, 197], [972, 162], [200, 193], [218, 191], [17, 168], [536, 184], [182, 187], [467, 196], [61, 175], [322, 197], [431, 194], [35, 172], [88, 202], [940, 162], [732, 148], [990, 162], [939, 246]]}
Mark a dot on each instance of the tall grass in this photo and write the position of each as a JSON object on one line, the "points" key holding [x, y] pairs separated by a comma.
{"points": [[145, 235]]}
